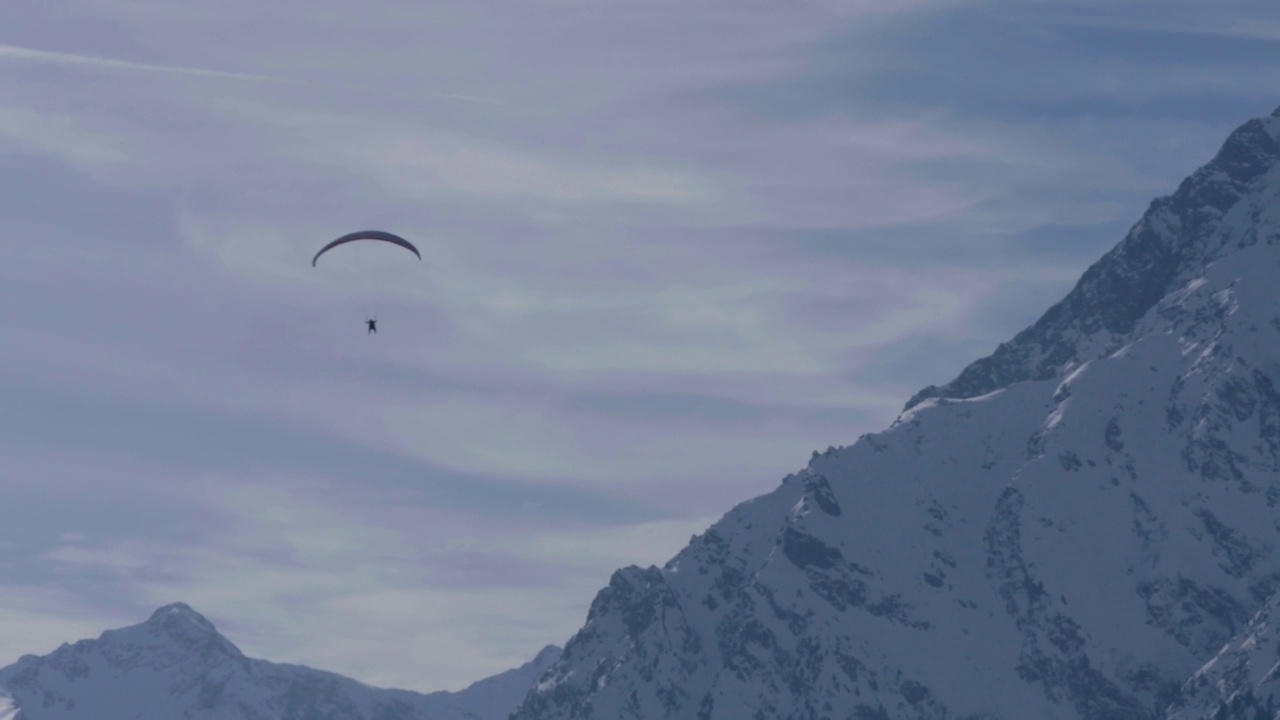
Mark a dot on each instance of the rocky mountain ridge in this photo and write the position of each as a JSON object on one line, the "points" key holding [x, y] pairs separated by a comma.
{"points": [[1174, 238]]}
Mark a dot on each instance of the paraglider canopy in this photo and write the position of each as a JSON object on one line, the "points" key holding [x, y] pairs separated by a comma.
{"points": [[367, 235]]}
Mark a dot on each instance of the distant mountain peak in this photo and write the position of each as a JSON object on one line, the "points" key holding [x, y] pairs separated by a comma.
{"points": [[177, 665], [546, 656], [183, 626]]}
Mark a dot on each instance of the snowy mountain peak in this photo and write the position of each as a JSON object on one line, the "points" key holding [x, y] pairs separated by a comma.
{"points": [[1175, 240], [1071, 529], [172, 631]]}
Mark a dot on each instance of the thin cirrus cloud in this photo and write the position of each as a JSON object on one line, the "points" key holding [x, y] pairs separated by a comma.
{"points": [[669, 250], [36, 56], [17, 53]]}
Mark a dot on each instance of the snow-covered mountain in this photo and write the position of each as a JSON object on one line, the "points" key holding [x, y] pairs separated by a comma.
{"points": [[1071, 529], [176, 665]]}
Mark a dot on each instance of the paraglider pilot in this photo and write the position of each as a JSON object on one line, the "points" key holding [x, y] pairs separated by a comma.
{"points": [[370, 322]]}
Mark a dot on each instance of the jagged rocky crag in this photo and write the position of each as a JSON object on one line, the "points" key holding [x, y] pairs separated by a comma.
{"points": [[1071, 529], [176, 665]]}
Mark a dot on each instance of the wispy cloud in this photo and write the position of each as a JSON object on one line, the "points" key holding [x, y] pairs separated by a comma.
{"points": [[28, 55], [16, 53]]}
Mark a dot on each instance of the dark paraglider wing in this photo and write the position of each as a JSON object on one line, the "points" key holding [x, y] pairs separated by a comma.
{"points": [[367, 235]]}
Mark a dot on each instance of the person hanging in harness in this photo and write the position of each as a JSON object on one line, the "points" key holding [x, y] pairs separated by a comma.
{"points": [[373, 326]]}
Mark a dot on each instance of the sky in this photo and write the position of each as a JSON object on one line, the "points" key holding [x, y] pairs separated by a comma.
{"points": [[669, 250]]}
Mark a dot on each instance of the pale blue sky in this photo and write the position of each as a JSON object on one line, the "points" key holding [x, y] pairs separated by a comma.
{"points": [[669, 249]]}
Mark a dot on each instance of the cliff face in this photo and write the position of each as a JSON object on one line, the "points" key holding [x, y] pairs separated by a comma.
{"points": [[1070, 529]]}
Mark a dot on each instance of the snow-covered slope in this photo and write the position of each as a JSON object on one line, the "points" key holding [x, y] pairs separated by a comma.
{"points": [[1070, 529], [8, 708], [176, 665], [493, 698]]}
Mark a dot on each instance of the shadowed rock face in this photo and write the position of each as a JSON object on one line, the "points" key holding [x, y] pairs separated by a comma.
{"points": [[1069, 530]]}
